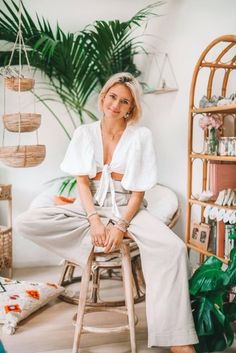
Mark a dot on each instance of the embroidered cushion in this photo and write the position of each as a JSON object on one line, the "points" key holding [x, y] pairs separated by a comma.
{"points": [[19, 299]]}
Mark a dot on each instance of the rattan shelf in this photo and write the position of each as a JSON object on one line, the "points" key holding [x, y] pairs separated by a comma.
{"points": [[205, 204], [6, 231], [227, 109], [206, 253], [213, 158], [218, 50]]}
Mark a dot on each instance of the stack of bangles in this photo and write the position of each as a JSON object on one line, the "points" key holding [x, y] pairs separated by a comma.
{"points": [[120, 224]]}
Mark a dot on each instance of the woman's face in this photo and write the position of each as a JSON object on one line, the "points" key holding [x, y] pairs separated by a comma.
{"points": [[117, 102]]}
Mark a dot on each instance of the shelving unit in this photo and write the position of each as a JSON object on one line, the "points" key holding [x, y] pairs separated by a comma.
{"points": [[224, 60], [6, 231]]}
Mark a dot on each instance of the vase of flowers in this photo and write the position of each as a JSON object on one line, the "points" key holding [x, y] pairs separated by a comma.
{"points": [[211, 123]]}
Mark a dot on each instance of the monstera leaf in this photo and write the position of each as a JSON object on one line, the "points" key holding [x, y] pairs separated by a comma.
{"points": [[209, 286]]}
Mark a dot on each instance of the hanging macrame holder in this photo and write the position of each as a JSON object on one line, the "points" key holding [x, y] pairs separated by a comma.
{"points": [[162, 85], [21, 156]]}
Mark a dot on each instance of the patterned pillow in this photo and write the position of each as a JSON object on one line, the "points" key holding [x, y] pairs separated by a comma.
{"points": [[19, 299]]}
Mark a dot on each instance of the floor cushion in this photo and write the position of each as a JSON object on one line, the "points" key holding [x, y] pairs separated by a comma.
{"points": [[19, 299]]}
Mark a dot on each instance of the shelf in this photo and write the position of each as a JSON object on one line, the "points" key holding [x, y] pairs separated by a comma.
{"points": [[230, 108], [207, 253], [161, 90], [213, 173], [204, 204], [213, 158]]}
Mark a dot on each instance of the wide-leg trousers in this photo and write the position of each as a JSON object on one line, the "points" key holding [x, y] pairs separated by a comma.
{"points": [[65, 231]]}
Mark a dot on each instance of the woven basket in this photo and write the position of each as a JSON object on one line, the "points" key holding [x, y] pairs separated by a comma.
{"points": [[5, 192], [22, 156], [28, 122], [5, 247], [17, 83]]}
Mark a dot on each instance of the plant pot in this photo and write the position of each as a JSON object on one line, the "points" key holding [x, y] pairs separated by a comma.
{"points": [[22, 122], [63, 200], [22, 156], [19, 84]]}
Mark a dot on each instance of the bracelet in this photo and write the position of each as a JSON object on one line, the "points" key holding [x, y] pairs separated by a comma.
{"points": [[91, 214], [124, 221], [122, 229]]}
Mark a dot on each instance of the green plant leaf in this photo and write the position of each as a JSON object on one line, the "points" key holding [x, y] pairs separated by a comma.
{"points": [[77, 64], [203, 311], [212, 326], [230, 279], [208, 277]]}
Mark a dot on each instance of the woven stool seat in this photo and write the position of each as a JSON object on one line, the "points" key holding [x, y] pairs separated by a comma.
{"points": [[105, 267]]}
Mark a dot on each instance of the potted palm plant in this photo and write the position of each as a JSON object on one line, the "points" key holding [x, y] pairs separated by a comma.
{"points": [[214, 303]]}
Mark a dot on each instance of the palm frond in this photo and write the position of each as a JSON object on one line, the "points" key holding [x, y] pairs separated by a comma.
{"points": [[77, 64]]}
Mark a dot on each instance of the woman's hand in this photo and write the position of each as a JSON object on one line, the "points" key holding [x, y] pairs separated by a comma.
{"points": [[97, 231], [114, 238]]}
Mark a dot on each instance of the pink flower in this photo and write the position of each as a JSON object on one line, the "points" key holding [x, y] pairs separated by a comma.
{"points": [[210, 121]]}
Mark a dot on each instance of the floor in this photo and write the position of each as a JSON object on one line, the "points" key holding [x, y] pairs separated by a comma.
{"points": [[50, 329]]}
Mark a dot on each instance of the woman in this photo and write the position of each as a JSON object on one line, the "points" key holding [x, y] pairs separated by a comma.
{"points": [[114, 163]]}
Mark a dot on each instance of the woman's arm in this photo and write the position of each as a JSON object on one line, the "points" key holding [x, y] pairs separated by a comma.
{"points": [[98, 231], [133, 206], [114, 235]]}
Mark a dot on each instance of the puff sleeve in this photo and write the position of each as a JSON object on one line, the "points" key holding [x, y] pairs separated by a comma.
{"points": [[80, 158], [141, 169]]}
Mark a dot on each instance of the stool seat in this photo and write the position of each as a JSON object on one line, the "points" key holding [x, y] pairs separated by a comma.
{"points": [[106, 266], [122, 259]]}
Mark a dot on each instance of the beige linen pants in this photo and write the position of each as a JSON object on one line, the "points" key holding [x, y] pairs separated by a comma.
{"points": [[65, 231]]}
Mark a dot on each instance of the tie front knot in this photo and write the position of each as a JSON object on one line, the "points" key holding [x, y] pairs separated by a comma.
{"points": [[106, 184]]}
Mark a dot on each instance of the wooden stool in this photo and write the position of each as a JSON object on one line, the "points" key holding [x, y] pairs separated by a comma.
{"points": [[121, 258], [108, 269]]}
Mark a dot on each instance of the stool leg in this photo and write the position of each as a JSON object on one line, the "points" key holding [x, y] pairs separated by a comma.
{"points": [[82, 302], [95, 285], [127, 281], [63, 274]]}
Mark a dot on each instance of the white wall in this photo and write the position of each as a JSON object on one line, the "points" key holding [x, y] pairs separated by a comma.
{"points": [[184, 31]]}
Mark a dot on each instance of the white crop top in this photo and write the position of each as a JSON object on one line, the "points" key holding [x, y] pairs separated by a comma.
{"points": [[134, 156]]}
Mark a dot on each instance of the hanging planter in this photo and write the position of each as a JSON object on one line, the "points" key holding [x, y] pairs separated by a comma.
{"points": [[25, 122], [19, 83], [23, 156], [20, 156]]}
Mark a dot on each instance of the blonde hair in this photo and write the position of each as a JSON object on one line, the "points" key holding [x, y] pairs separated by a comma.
{"points": [[128, 80]]}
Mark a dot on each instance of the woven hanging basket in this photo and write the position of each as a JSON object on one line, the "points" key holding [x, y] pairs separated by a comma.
{"points": [[22, 156], [28, 122], [18, 83]]}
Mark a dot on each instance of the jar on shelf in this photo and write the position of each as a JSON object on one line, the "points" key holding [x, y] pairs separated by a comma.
{"points": [[231, 146], [211, 142], [223, 146]]}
